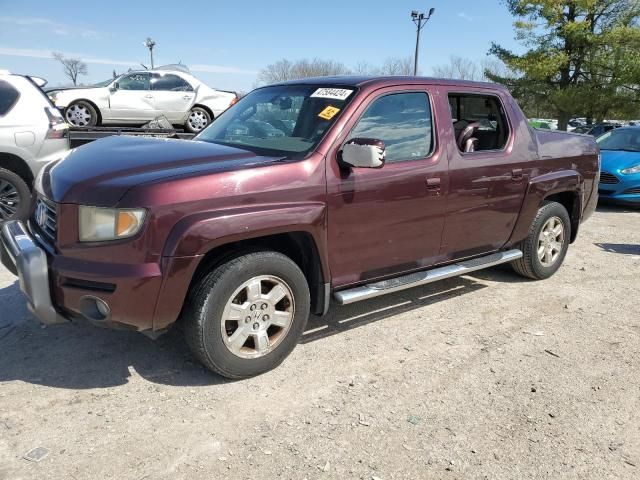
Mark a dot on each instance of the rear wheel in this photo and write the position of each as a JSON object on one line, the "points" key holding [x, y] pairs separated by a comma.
{"points": [[81, 114], [197, 120], [15, 196], [246, 316], [546, 245]]}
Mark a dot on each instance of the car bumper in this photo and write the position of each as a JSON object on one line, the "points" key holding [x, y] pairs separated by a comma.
{"points": [[626, 190], [59, 288], [21, 255]]}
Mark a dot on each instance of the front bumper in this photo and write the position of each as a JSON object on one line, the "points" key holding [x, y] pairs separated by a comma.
{"points": [[21, 255], [626, 188]]}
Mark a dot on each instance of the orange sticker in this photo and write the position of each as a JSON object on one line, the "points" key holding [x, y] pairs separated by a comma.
{"points": [[329, 112]]}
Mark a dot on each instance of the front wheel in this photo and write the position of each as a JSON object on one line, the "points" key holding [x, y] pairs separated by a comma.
{"points": [[246, 316], [81, 114], [197, 120], [545, 247]]}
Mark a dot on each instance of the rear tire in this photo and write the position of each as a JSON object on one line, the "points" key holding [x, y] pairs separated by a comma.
{"points": [[197, 120], [15, 196], [246, 316], [545, 247]]}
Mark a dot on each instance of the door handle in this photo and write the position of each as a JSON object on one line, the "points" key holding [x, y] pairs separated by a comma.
{"points": [[148, 96], [187, 97], [433, 185], [516, 174]]}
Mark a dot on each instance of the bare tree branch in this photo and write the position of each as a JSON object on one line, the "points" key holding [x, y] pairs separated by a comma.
{"points": [[72, 67]]}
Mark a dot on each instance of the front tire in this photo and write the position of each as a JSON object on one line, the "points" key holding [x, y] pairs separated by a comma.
{"points": [[197, 120], [545, 247], [81, 114], [246, 316], [15, 196]]}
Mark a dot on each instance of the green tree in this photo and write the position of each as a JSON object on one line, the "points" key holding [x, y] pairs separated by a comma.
{"points": [[582, 56]]}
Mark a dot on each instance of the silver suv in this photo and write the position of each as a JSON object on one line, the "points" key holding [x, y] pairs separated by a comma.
{"points": [[32, 133]]}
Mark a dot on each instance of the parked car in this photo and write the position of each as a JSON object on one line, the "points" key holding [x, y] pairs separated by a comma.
{"points": [[620, 175], [338, 187], [601, 128], [32, 133], [140, 96]]}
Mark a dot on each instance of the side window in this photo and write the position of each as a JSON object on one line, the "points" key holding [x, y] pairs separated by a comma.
{"points": [[479, 122], [8, 97], [135, 81], [170, 83], [402, 121]]}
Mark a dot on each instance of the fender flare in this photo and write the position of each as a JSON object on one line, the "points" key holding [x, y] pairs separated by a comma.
{"points": [[542, 187]]}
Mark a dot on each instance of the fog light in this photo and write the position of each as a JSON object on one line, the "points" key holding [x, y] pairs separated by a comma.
{"points": [[94, 308]]}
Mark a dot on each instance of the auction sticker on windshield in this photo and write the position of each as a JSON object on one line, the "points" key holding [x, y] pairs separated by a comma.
{"points": [[333, 93], [328, 113]]}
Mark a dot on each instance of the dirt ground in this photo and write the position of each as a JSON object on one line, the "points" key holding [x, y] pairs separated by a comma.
{"points": [[483, 376]]}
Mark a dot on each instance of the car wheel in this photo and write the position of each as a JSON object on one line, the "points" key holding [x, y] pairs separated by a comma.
{"points": [[545, 247], [197, 120], [246, 316], [81, 114], [15, 196]]}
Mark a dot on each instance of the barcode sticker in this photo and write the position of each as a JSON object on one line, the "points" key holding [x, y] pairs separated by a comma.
{"points": [[333, 93]]}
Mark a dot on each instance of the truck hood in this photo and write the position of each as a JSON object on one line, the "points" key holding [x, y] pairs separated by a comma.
{"points": [[101, 172]]}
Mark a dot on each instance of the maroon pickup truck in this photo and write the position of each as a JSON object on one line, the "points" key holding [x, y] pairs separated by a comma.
{"points": [[344, 188]]}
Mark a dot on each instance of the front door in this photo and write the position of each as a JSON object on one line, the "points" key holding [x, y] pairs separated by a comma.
{"points": [[385, 221], [132, 100], [173, 96], [487, 175]]}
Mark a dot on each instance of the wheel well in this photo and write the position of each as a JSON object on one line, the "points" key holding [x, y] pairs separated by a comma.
{"points": [[95, 107], [298, 246], [204, 107], [17, 166], [570, 201]]}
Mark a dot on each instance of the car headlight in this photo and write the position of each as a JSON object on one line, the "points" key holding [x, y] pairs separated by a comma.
{"points": [[630, 170], [53, 96], [99, 224]]}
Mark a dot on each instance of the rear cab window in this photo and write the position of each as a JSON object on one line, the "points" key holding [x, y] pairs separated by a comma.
{"points": [[403, 121], [479, 122], [9, 96]]}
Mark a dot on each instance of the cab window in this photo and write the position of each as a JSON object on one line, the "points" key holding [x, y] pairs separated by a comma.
{"points": [[402, 121], [479, 122]]}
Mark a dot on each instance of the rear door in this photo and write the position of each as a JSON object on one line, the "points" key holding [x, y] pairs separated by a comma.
{"points": [[486, 185], [173, 96], [385, 221], [132, 100]]}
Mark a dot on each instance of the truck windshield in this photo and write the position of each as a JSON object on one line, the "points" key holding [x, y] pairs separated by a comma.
{"points": [[281, 120], [627, 139]]}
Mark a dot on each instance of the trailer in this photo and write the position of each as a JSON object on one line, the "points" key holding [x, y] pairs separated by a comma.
{"points": [[81, 135]]}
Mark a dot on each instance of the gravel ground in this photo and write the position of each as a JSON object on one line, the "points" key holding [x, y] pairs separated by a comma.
{"points": [[482, 376]]}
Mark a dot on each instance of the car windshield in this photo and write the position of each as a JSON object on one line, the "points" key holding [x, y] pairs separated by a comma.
{"points": [[281, 120], [627, 139], [104, 83]]}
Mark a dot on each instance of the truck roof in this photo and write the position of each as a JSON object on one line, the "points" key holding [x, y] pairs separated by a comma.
{"points": [[381, 81]]}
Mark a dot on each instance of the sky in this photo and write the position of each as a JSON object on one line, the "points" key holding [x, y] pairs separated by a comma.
{"points": [[227, 43]]}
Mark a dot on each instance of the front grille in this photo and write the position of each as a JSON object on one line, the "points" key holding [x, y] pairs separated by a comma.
{"points": [[608, 178], [633, 191], [45, 217]]}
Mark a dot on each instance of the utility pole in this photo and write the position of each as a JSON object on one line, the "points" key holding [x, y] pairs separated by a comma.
{"points": [[420, 19], [149, 43]]}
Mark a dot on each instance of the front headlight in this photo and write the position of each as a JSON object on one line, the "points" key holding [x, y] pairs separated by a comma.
{"points": [[99, 224], [53, 96], [630, 170]]}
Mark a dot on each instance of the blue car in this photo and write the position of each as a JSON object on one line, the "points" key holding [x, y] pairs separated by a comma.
{"points": [[620, 170]]}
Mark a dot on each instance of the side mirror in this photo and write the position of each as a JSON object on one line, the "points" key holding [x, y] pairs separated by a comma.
{"points": [[364, 153], [114, 87]]}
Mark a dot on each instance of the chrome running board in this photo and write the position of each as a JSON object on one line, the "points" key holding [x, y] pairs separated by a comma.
{"points": [[345, 297]]}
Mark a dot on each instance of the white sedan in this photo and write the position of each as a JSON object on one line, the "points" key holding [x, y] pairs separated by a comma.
{"points": [[140, 96]]}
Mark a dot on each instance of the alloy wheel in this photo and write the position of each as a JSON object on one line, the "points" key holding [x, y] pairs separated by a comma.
{"points": [[78, 115], [550, 241], [198, 120], [9, 199], [257, 317]]}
